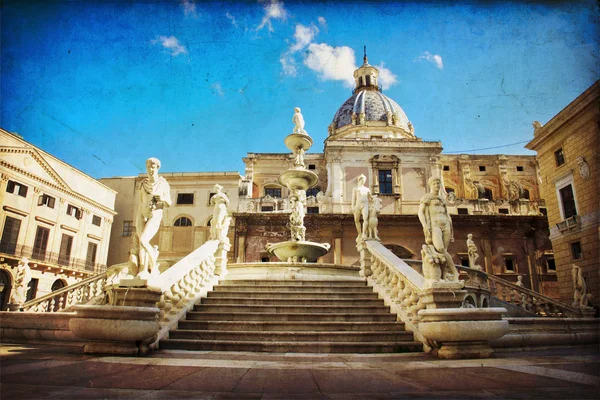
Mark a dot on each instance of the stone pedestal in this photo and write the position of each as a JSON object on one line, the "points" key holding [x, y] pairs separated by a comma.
{"points": [[463, 332], [132, 296], [114, 329], [444, 295], [221, 258], [13, 307], [365, 259]]}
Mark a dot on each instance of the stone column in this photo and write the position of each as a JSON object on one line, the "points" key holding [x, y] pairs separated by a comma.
{"points": [[221, 258], [365, 259]]}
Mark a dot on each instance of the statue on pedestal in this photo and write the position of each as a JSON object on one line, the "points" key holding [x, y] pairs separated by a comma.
{"points": [[22, 276], [298, 121], [220, 221], [299, 157], [472, 251], [375, 207], [361, 197], [581, 297], [437, 227], [298, 231], [154, 195]]}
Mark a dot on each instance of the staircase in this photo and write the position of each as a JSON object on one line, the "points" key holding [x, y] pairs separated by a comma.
{"points": [[300, 316]]}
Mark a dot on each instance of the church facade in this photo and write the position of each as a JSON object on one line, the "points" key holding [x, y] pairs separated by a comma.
{"points": [[494, 197]]}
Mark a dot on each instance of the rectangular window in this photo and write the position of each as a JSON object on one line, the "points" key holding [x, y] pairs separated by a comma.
{"points": [[559, 156], [312, 166], [462, 211], [127, 228], [568, 201], [488, 194], [550, 264], [368, 80], [273, 192], [265, 259], [576, 252], [266, 208], [16, 188], [509, 264], [520, 168], [385, 181], [40, 243], [313, 191], [464, 261], [74, 212], [90, 258], [446, 168], [544, 211], [482, 168], [185, 198], [66, 243], [45, 200], [503, 211], [312, 210], [10, 234], [96, 220], [32, 289]]}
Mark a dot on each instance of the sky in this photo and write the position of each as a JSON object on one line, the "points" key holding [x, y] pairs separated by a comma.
{"points": [[104, 85]]}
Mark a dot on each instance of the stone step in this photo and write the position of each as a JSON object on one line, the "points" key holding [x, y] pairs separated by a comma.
{"points": [[292, 347], [346, 294], [297, 301], [292, 326], [286, 336], [281, 316], [318, 309], [298, 289], [293, 282]]}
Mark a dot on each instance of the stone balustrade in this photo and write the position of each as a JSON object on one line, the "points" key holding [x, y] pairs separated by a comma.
{"points": [[89, 290]]}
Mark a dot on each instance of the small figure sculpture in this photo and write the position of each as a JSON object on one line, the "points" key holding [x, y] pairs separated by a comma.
{"points": [[354, 118], [361, 197], [472, 251], [437, 227], [154, 196], [519, 282], [536, 127], [297, 228], [584, 168], [298, 121], [361, 118], [22, 275], [374, 210], [220, 221], [411, 128], [581, 297], [299, 157]]}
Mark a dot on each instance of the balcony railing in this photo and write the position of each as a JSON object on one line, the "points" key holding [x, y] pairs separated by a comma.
{"points": [[567, 224], [54, 259]]}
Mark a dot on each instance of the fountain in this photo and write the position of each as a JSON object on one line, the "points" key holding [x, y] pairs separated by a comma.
{"points": [[298, 179]]}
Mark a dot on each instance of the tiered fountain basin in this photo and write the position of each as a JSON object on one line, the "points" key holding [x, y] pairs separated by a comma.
{"points": [[298, 179], [292, 141], [303, 250]]}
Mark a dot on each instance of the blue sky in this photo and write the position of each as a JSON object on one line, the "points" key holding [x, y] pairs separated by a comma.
{"points": [[103, 85]]}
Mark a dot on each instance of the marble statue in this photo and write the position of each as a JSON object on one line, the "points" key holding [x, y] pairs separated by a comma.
{"points": [[220, 221], [536, 126], [519, 282], [472, 251], [22, 277], [584, 168], [361, 197], [298, 121], [297, 228], [581, 297], [438, 230], [154, 194], [375, 207], [299, 157]]}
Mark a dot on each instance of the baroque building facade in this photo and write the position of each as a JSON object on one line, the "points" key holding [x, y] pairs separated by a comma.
{"points": [[52, 214], [568, 149], [494, 197]]}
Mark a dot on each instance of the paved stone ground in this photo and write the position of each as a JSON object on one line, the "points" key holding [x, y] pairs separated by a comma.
{"points": [[44, 372]]}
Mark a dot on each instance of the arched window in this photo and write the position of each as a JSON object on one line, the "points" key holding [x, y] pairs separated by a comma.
{"points": [[488, 194], [525, 194], [58, 284], [274, 192], [183, 221], [450, 190]]}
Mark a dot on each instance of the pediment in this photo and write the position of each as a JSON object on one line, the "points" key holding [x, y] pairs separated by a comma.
{"points": [[29, 162]]}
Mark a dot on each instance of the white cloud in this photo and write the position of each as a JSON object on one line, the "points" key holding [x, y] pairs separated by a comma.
{"points": [[288, 64], [273, 10], [322, 21], [304, 35], [386, 77], [231, 18], [433, 58], [332, 63], [171, 43], [217, 88], [189, 8]]}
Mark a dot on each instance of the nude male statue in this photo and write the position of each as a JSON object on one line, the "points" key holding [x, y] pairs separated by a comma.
{"points": [[437, 227], [361, 197], [154, 195], [298, 121]]}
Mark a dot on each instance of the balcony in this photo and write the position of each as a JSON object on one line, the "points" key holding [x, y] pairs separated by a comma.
{"points": [[50, 259], [567, 224]]}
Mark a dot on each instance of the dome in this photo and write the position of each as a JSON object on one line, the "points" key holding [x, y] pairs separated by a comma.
{"points": [[368, 112]]}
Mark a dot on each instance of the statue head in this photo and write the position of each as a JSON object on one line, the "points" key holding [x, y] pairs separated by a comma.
{"points": [[361, 179], [218, 187], [296, 109], [434, 184], [152, 165], [470, 236]]}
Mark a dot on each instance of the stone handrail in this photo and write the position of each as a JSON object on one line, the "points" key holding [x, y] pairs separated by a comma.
{"points": [[531, 301], [183, 285], [68, 296]]}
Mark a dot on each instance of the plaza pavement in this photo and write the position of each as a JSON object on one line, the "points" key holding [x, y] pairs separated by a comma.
{"points": [[59, 372]]}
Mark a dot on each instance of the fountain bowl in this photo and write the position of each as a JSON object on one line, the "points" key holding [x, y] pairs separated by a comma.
{"points": [[299, 179], [294, 140], [304, 251]]}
